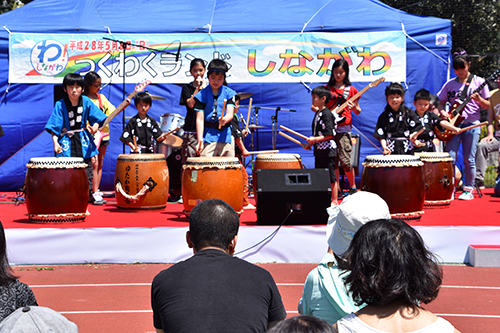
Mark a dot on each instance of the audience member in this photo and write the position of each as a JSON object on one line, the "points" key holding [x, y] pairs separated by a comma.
{"points": [[302, 324], [213, 291], [390, 269], [13, 293], [324, 294], [37, 319]]}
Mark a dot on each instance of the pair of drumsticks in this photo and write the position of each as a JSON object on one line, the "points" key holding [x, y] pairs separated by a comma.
{"points": [[303, 145]]}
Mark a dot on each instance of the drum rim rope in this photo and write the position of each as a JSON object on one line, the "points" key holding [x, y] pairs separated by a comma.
{"points": [[56, 163]]}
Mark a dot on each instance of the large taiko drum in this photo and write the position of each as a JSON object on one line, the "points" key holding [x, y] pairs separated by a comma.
{"points": [[438, 175], [399, 180], [206, 178], [56, 189], [274, 161], [141, 181]]}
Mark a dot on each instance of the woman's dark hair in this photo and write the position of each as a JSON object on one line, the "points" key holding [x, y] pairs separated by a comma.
{"points": [[460, 59], [388, 261], [6, 274], [302, 324], [89, 79], [340, 63], [196, 61]]}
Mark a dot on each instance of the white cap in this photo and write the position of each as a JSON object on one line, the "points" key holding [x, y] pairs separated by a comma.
{"points": [[37, 319], [354, 211]]}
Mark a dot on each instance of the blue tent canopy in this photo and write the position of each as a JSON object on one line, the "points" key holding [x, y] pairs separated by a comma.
{"points": [[25, 108]]}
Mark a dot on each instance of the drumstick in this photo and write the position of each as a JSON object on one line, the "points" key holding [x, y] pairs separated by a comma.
{"points": [[248, 113], [471, 127], [418, 133], [172, 131], [292, 131], [135, 142], [264, 152], [293, 140], [223, 110]]}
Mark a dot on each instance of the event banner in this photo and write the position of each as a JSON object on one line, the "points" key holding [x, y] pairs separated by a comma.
{"points": [[165, 58]]}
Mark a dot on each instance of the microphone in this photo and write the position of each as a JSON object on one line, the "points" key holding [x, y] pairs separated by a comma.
{"points": [[178, 52]]}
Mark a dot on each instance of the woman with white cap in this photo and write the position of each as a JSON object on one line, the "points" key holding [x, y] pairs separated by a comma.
{"points": [[324, 294]]}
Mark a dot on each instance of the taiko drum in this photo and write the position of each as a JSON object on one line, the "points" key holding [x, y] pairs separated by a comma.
{"points": [[206, 178], [274, 161], [399, 180], [438, 176], [141, 181], [56, 189]]}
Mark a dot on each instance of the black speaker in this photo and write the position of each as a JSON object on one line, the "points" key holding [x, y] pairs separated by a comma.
{"points": [[307, 192]]}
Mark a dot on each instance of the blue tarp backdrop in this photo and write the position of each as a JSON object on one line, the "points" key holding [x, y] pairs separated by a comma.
{"points": [[25, 108]]}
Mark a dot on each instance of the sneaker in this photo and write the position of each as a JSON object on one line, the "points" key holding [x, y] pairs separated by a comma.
{"points": [[353, 190], [249, 206], [98, 201], [466, 195], [175, 199]]}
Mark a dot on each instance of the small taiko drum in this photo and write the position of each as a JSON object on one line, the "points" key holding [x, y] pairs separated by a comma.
{"points": [[206, 178], [438, 175], [274, 161], [399, 180], [141, 181], [56, 189]]}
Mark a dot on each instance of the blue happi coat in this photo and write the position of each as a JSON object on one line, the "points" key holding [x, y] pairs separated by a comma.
{"points": [[58, 124]]}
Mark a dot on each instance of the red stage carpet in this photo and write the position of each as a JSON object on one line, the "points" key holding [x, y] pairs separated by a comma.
{"points": [[479, 212], [111, 235]]}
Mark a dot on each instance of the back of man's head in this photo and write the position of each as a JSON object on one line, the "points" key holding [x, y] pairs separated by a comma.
{"points": [[213, 223]]}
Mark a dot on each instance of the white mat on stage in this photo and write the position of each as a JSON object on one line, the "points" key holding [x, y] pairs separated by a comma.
{"points": [[291, 244]]}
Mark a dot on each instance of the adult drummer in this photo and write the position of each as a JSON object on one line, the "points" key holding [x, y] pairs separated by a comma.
{"points": [[197, 70]]}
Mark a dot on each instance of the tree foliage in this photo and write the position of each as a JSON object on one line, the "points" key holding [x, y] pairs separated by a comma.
{"points": [[8, 5], [475, 25]]}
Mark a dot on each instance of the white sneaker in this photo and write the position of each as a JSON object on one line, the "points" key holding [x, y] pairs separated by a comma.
{"points": [[98, 201], [466, 195], [249, 206]]}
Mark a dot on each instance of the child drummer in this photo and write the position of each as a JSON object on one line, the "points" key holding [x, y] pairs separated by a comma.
{"points": [[323, 139], [397, 126], [213, 118], [428, 119], [68, 123], [142, 130]]}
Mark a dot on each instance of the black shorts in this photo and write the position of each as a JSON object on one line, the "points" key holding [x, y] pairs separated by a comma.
{"points": [[321, 162]]}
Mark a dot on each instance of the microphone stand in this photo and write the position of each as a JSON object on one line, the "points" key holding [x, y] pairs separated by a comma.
{"points": [[124, 45], [274, 120]]}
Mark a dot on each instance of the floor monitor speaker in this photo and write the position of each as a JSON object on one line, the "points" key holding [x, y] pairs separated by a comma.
{"points": [[306, 192]]}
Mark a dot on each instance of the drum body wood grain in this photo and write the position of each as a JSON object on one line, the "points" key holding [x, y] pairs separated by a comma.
{"points": [[206, 178], [56, 189], [399, 180], [141, 181], [274, 161], [438, 175]]}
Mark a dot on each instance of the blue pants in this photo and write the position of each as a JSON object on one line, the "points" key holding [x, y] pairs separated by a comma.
{"points": [[469, 141]]}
